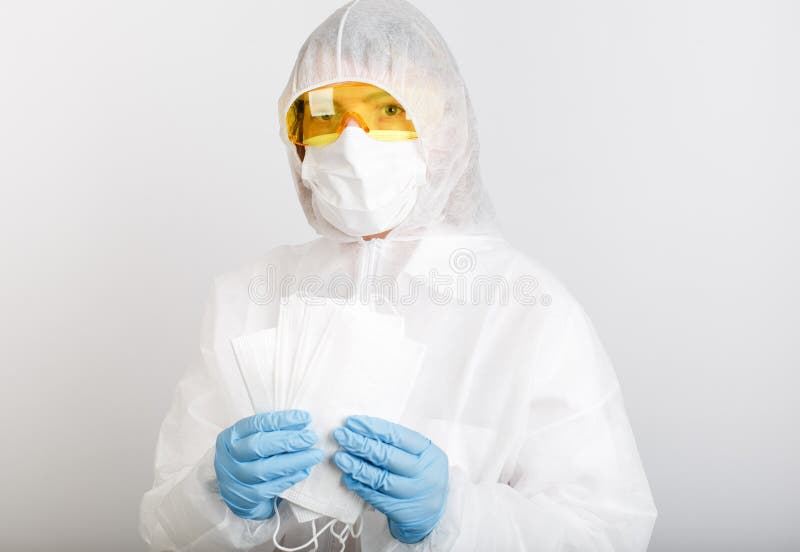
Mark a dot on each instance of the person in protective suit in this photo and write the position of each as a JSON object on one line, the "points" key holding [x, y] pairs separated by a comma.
{"points": [[515, 435]]}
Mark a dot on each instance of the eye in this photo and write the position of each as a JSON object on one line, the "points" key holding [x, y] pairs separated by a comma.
{"points": [[392, 110], [325, 117]]}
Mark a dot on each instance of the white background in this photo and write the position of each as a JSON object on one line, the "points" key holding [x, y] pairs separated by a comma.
{"points": [[646, 152]]}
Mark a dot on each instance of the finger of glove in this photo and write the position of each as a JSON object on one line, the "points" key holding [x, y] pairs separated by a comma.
{"points": [[237, 494], [378, 453], [248, 496], [235, 499], [246, 508], [379, 501], [377, 478], [260, 512], [277, 486], [222, 451], [388, 432], [266, 444], [270, 421], [267, 469]]}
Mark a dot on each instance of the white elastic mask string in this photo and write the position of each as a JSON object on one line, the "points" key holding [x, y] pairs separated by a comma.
{"points": [[346, 532]]}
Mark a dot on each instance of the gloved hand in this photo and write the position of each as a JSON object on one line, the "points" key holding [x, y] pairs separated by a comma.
{"points": [[396, 470], [261, 456]]}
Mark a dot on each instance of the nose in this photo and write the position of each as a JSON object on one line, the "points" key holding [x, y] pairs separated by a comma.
{"points": [[351, 121]]}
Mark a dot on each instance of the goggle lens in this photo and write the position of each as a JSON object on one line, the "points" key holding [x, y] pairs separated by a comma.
{"points": [[318, 116]]}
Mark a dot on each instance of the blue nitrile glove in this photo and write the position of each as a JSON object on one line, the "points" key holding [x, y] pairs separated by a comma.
{"points": [[261, 456], [396, 470]]}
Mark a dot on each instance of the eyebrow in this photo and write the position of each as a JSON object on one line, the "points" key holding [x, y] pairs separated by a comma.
{"points": [[369, 97], [375, 95]]}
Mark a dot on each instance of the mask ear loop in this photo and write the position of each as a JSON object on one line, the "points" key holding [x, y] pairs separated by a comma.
{"points": [[342, 537], [360, 523], [347, 532], [314, 536]]}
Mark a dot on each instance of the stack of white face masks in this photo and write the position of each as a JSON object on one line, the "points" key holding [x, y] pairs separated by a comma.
{"points": [[334, 361]]}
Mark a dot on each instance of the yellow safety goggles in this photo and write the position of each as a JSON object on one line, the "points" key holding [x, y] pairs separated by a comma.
{"points": [[318, 117]]}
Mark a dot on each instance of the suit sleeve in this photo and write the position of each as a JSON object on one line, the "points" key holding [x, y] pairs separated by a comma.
{"points": [[184, 510]]}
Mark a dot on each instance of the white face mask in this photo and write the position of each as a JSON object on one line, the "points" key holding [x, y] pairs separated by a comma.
{"points": [[361, 185]]}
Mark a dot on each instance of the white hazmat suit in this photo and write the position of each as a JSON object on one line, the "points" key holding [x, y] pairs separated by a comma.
{"points": [[515, 385]]}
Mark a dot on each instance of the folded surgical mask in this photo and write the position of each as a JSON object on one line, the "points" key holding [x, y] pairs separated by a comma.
{"points": [[333, 360], [361, 185]]}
